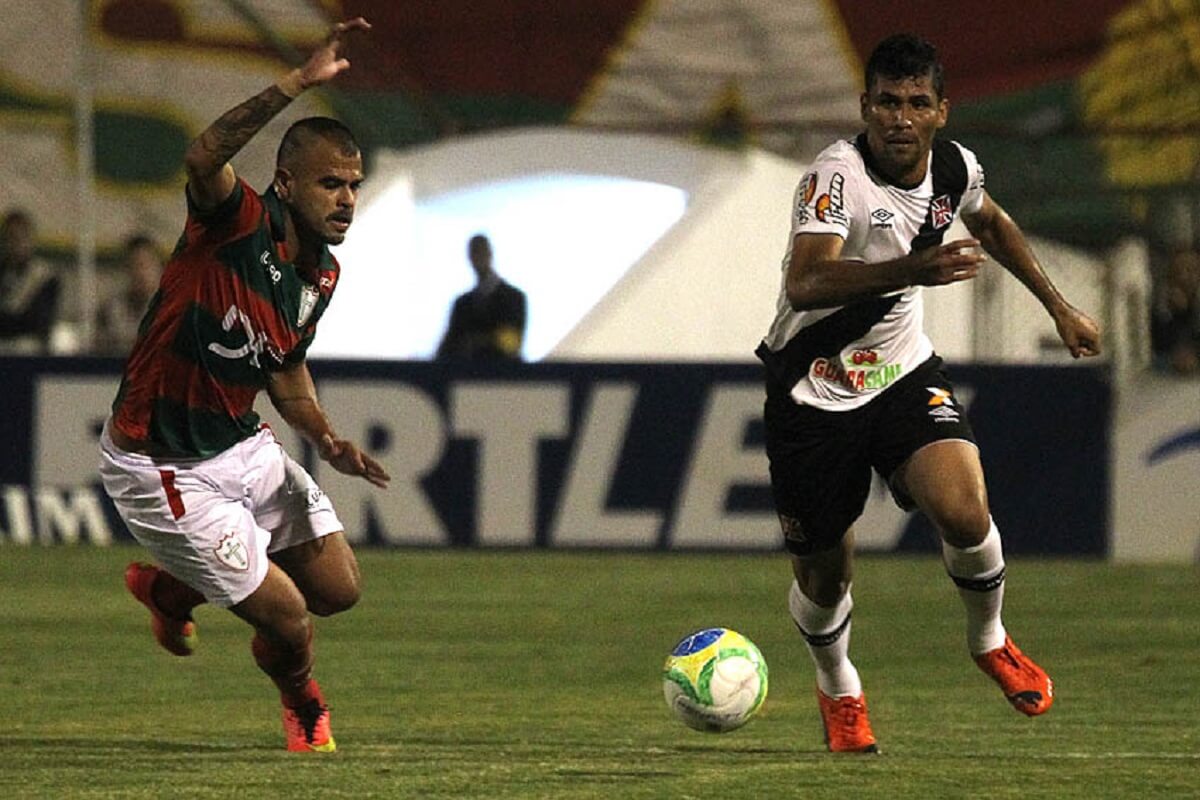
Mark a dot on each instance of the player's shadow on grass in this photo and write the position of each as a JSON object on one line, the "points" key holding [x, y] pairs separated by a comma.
{"points": [[93, 744]]}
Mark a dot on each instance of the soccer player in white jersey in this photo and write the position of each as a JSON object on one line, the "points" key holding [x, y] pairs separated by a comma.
{"points": [[854, 384]]}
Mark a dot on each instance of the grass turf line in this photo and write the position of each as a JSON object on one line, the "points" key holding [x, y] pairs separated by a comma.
{"points": [[536, 675]]}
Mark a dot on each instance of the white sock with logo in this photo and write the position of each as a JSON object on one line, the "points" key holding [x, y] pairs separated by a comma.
{"points": [[979, 574], [826, 632]]}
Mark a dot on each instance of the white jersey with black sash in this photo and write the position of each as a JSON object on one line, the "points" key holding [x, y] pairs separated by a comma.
{"points": [[842, 357]]}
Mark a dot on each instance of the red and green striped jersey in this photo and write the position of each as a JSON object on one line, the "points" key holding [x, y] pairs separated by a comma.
{"points": [[229, 310]]}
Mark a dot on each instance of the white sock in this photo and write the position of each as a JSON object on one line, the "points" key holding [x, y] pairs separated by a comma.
{"points": [[979, 574], [826, 631]]}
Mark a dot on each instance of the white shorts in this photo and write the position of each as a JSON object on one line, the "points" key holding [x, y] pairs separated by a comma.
{"points": [[211, 522]]}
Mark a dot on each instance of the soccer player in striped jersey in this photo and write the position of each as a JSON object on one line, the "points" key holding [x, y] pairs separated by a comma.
{"points": [[230, 518], [854, 384]]}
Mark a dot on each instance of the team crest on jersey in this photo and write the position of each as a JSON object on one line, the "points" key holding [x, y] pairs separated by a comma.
{"points": [[308, 301], [231, 551], [793, 530], [941, 211]]}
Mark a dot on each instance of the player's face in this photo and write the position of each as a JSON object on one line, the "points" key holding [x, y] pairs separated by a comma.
{"points": [[322, 189], [902, 116]]}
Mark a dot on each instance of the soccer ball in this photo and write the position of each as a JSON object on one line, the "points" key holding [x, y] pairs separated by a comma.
{"points": [[715, 680]]}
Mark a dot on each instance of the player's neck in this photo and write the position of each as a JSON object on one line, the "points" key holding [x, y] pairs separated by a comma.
{"points": [[301, 249], [904, 177]]}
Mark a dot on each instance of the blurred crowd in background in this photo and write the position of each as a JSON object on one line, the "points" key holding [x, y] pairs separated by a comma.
{"points": [[40, 306], [39, 303]]}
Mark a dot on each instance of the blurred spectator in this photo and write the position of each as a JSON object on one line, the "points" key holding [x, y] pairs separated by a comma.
{"points": [[29, 289], [488, 322], [1175, 315], [118, 319]]}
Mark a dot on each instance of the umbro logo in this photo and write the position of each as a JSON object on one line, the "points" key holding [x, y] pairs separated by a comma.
{"points": [[944, 414], [941, 403], [881, 219]]}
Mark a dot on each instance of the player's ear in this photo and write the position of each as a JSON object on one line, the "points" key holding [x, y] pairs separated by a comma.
{"points": [[283, 183], [864, 106], [943, 112]]}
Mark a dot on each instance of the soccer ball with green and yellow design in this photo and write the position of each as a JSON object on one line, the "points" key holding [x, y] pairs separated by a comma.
{"points": [[715, 680]]}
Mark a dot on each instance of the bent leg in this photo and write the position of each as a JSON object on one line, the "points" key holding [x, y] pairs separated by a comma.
{"points": [[946, 481], [282, 644], [324, 571]]}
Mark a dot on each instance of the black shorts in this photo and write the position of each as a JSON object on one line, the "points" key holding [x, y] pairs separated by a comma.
{"points": [[821, 461]]}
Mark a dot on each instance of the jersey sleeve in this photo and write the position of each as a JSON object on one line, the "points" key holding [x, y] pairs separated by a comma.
{"points": [[299, 353], [820, 203], [972, 199], [233, 217]]}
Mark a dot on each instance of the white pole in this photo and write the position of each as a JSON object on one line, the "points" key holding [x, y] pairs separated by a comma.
{"points": [[85, 175]]}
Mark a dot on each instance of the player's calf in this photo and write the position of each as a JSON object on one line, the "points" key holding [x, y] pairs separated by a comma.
{"points": [[176, 636]]}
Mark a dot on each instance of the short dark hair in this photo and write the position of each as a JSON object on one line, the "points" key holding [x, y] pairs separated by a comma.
{"points": [[304, 131], [905, 55]]}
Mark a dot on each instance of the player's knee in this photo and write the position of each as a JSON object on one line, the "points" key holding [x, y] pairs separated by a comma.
{"points": [[286, 633], [965, 524], [828, 595], [823, 588], [335, 600]]}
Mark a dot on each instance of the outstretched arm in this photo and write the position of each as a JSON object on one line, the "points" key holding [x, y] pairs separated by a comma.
{"points": [[210, 177], [295, 397], [1004, 241]]}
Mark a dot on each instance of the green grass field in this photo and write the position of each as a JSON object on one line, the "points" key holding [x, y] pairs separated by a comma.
{"points": [[536, 675]]}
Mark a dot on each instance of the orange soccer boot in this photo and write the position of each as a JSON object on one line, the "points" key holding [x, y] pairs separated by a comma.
{"points": [[1024, 683], [177, 636], [307, 726], [847, 729]]}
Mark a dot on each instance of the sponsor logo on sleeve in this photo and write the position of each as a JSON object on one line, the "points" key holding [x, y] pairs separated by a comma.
{"points": [[808, 188], [830, 207]]}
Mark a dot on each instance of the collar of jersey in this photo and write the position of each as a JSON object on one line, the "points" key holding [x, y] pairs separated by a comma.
{"points": [[276, 214]]}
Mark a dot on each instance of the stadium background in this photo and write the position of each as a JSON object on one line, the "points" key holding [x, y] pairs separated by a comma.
{"points": [[1084, 113]]}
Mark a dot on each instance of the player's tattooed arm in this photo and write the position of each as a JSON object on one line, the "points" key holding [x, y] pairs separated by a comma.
{"points": [[210, 176]]}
